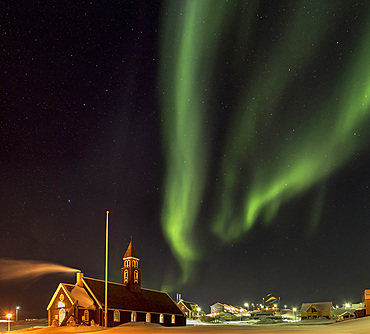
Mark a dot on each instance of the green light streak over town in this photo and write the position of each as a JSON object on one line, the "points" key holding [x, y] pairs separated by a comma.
{"points": [[260, 164], [184, 96]]}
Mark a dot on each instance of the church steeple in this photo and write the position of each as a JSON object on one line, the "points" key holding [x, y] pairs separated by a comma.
{"points": [[130, 273]]}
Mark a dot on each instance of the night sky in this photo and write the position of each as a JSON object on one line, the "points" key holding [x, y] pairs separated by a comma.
{"points": [[230, 139]]}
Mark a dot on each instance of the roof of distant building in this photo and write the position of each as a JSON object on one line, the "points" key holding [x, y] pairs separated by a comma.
{"points": [[189, 305], [321, 306]]}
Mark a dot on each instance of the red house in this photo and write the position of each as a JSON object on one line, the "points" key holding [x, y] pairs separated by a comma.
{"points": [[191, 310], [83, 303]]}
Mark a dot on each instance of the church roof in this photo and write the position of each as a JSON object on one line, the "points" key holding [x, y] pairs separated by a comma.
{"points": [[131, 251], [122, 298]]}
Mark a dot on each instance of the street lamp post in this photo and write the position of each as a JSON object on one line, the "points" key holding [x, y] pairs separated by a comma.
{"points": [[294, 313], [16, 313], [8, 316]]}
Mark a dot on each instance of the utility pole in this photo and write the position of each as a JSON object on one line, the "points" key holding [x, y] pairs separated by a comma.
{"points": [[106, 274]]}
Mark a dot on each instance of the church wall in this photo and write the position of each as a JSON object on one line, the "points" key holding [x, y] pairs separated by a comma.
{"points": [[141, 316], [60, 303], [180, 321], [155, 318]]}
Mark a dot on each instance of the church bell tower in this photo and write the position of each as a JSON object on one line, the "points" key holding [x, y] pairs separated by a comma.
{"points": [[130, 273]]}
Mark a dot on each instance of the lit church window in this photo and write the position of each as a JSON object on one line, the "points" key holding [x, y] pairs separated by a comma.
{"points": [[125, 276], [116, 316]]}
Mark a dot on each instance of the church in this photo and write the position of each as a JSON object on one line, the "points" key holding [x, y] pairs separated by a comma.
{"points": [[83, 302]]}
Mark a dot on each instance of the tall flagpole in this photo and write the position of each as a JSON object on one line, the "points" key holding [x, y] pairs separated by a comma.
{"points": [[106, 274]]}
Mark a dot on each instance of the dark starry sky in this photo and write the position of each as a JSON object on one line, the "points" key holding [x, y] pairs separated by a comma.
{"points": [[80, 126]]}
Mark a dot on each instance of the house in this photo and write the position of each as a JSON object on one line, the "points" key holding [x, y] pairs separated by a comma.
{"points": [[346, 315], [317, 310], [83, 302], [218, 308], [270, 301], [191, 310], [366, 301]]}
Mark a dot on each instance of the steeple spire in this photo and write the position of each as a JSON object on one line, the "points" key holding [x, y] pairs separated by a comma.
{"points": [[131, 251], [130, 273]]}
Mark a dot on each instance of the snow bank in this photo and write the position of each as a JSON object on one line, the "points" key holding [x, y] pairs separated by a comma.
{"points": [[356, 326], [84, 300]]}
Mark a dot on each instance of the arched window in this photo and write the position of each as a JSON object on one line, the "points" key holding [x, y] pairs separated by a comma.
{"points": [[148, 318], [62, 315], [116, 316], [173, 318], [125, 276], [127, 263], [161, 318], [133, 316], [136, 276], [86, 315]]}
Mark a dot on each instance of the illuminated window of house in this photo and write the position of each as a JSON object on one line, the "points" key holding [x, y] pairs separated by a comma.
{"points": [[61, 301], [86, 315], [148, 319], [116, 316], [136, 276], [125, 276], [61, 304], [133, 316], [173, 319], [161, 318]]}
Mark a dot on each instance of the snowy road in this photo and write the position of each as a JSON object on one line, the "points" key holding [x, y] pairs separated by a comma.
{"points": [[356, 326]]}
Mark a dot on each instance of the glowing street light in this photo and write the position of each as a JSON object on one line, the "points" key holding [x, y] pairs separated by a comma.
{"points": [[294, 311], [198, 309], [246, 305], [9, 315], [16, 313]]}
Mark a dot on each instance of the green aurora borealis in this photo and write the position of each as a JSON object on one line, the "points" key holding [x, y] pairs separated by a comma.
{"points": [[254, 113]]}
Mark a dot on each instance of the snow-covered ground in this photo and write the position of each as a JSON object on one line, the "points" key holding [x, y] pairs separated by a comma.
{"points": [[355, 326]]}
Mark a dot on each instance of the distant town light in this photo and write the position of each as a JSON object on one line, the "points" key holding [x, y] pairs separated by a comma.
{"points": [[9, 315]]}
